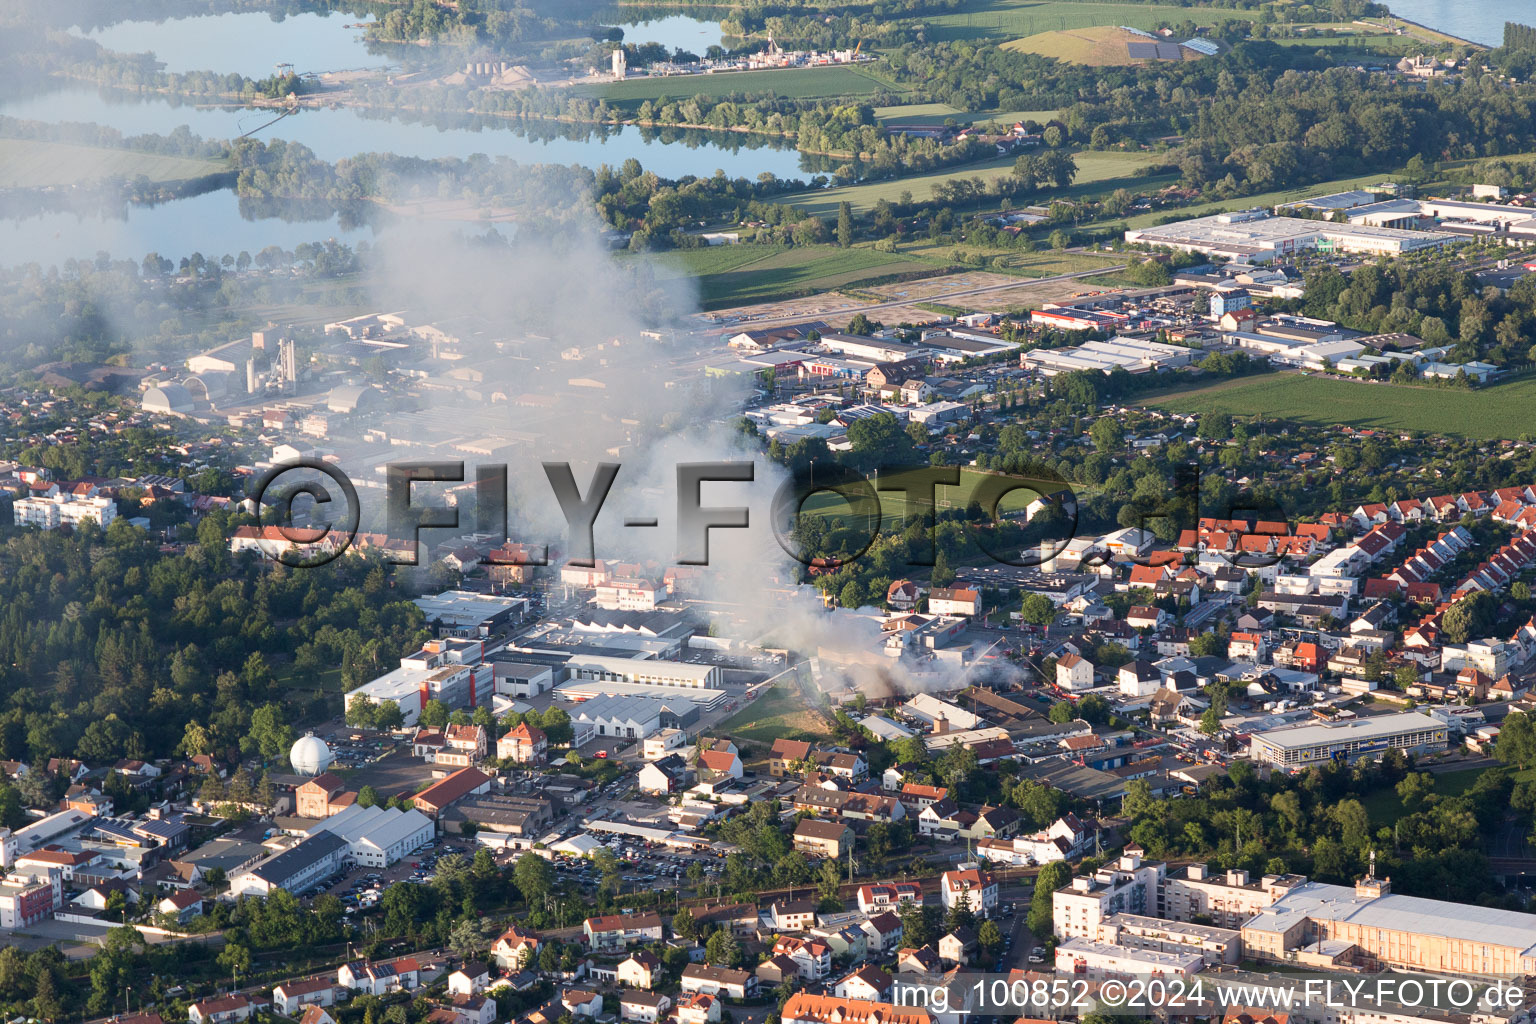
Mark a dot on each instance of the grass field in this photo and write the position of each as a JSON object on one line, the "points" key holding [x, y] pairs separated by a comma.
{"points": [[1094, 171], [32, 163], [731, 275], [1494, 413], [799, 83], [1010, 19], [1384, 807], [1096, 46], [938, 113], [894, 507], [777, 713]]}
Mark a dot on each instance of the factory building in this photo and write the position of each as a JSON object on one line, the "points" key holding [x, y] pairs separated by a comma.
{"points": [[1133, 354], [1256, 236], [450, 671]]}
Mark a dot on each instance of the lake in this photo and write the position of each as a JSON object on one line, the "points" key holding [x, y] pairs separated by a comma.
{"points": [[214, 224], [1481, 21], [675, 33], [211, 224], [250, 43], [334, 133]]}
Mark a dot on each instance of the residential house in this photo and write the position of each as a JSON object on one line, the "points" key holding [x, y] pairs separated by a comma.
{"points": [[883, 932], [225, 1009], [812, 957], [719, 981], [1074, 673], [823, 838], [643, 1007], [793, 915], [470, 979], [641, 969], [615, 931], [291, 997], [526, 744], [868, 982], [976, 888]]}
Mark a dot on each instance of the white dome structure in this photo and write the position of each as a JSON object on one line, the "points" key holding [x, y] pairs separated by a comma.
{"points": [[310, 755]]}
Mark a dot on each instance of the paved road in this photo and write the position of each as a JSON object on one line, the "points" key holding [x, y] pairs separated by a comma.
{"points": [[756, 324]]}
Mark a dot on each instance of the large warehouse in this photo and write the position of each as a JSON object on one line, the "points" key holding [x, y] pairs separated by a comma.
{"points": [[1256, 236], [1410, 732], [378, 836], [1133, 354]]}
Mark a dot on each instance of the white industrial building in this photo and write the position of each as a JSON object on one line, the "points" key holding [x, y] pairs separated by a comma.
{"points": [[1257, 236], [448, 670], [1085, 958], [1306, 745], [63, 510], [632, 718], [580, 690], [652, 671], [1133, 354], [378, 836], [33, 837]]}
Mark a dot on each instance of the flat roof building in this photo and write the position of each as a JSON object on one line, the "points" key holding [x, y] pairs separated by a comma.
{"points": [[1256, 236], [650, 671], [312, 859], [1301, 746], [1405, 932]]}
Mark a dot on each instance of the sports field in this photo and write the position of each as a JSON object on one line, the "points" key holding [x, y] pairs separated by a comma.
{"points": [[1495, 413], [33, 163], [796, 83], [1010, 19], [1093, 169], [731, 275]]}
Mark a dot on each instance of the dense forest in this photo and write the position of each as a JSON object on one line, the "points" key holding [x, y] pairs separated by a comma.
{"points": [[112, 649]]}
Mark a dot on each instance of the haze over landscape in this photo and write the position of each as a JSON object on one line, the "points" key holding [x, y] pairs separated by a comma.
{"points": [[767, 512]]}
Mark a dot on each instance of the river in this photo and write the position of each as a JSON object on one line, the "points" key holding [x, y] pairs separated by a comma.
{"points": [[1481, 21]]}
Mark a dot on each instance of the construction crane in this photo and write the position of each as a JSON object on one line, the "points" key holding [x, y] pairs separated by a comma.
{"points": [[856, 49]]}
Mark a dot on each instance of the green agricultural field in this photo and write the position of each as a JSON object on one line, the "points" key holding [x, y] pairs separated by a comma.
{"points": [[734, 275], [1095, 172], [32, 163], [1494, 413], [1010, 19], [798, 83]]}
